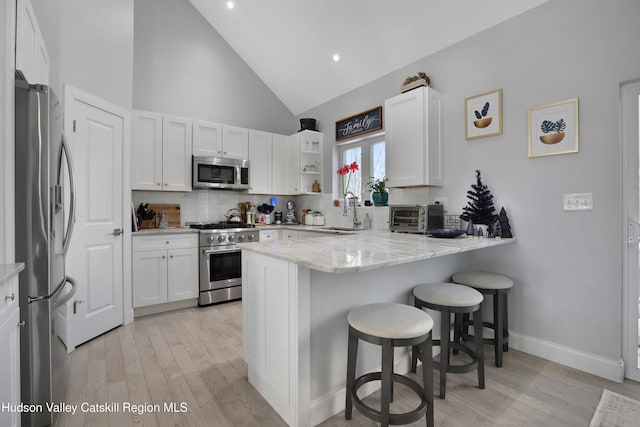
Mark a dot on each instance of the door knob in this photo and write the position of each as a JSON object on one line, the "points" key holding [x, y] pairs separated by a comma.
{"points": [[117, 231]]}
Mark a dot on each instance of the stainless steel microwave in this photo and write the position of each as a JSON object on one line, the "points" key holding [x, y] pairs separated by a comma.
{"points": [[420, 219], [220, 173]]}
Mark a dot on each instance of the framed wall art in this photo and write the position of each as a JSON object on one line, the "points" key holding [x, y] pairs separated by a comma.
{"points": [[483, 115], [553, 128], [359, 124]]}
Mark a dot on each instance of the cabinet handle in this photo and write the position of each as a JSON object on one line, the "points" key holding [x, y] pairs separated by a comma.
{"points": [[158, 184], [167, 242], [164, 257], [170, 256], [165, 184], [76, 303], [11, 297]]}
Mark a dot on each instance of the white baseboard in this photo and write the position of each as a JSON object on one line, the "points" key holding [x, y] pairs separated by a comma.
{"points": [[331, 403], [610, 369]]}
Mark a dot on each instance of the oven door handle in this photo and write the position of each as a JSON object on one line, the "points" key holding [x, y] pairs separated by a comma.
{"points": [[219, 251]]}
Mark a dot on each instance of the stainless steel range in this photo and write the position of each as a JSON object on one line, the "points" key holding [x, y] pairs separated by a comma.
{"points": [[220, 259]]}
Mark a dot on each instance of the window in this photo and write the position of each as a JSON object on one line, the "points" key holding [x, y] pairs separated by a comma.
{"points": [[369, 154]]}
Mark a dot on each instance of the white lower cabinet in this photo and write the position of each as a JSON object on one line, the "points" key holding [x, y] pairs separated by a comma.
{"points": [[10, 353], [268, 235], [165, 269], [268, 345], [289, 234]]}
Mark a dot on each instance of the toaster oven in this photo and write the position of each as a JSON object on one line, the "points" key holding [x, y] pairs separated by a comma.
{"points": [[419, 219]]}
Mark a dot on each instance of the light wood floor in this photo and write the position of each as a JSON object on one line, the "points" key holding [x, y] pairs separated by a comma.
{"points": [[195, 356]]}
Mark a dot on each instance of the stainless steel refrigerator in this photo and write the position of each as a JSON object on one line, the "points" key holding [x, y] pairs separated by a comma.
{"points": [[43, 168]]}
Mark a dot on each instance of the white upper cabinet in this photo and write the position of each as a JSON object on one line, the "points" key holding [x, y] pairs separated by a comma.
{"points": [[176, 153], [260, 162], [32, 57], [217, 140], [310, 163], [286, 175], [235, 142], [207, 138], [413, 141], [160, 152], [146, 150]]}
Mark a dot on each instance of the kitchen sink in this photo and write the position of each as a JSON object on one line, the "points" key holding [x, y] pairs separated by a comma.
{"points": [[342, 229]]}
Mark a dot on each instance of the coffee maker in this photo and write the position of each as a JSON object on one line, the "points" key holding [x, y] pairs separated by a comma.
{"points": [[290, 218]]}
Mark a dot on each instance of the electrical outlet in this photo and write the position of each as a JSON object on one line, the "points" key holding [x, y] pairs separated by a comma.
{"points": [[444, 201], [577, 201]]}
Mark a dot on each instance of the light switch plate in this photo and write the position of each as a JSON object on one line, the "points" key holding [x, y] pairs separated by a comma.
{"points": [[577, 201]]}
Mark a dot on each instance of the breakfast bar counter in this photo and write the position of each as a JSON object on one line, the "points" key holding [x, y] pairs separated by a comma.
{"points": [[296, 297], [366, 250]]}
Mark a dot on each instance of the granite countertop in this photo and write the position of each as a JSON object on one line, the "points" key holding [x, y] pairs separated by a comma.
{"points": [[154, 231], [366, 250], [9, 271]]}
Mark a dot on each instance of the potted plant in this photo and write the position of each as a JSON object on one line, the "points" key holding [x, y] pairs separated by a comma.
{"points": [[379, 192]]}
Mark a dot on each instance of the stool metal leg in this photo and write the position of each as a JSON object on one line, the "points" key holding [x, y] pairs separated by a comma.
{"points": [[414, 358], [498, 324], [352, 355], [457, 330], [479, 341], [445, 327], [386, 380], [392, 366], [505, 345], [427, 378]]}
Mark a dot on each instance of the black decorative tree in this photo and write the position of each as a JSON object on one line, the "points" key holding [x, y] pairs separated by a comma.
{"points": [[480, 208], [504, 224]]}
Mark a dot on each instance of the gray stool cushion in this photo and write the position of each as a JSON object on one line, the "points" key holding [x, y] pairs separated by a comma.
{"points": [[448, 294], [482, 280], [390, 320]]}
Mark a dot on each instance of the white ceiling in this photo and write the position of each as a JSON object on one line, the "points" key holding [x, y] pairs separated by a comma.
{"points": [[289, 44]]}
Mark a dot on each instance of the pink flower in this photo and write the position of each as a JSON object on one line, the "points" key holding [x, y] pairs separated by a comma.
{"points": [[347, 170]]}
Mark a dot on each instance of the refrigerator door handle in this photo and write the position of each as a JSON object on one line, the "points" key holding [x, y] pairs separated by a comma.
{"points": [[72, 189], [58, 289], [74, 288]]}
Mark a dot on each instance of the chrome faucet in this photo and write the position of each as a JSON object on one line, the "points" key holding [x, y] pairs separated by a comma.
{"points": [[356, 223]]}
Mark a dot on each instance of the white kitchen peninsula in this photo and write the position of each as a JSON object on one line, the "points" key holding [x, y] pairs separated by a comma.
{"points": [[296, 296]]}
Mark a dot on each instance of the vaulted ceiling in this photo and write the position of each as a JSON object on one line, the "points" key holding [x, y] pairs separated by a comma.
{"points": [[289, 44]]}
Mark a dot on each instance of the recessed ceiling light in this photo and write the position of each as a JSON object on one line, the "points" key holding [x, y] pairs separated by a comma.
{"points": [[230, 4], [336, 57]]}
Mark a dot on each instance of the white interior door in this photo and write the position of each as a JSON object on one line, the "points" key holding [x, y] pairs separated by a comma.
{"points": [[631, 200], [96, 132]]}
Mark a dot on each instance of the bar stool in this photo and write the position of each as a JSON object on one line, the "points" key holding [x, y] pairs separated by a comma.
{"points": [[450, 298], [497, 286], [389, 325]]}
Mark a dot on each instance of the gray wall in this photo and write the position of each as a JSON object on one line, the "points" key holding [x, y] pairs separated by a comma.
{"points": [[90, 44], [567, 266], [184, 67]]}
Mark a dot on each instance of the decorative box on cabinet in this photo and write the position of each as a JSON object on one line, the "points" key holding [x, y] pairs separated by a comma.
{"points": [[165, 268], [413, 140], [161, 152], [10, 352]]}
